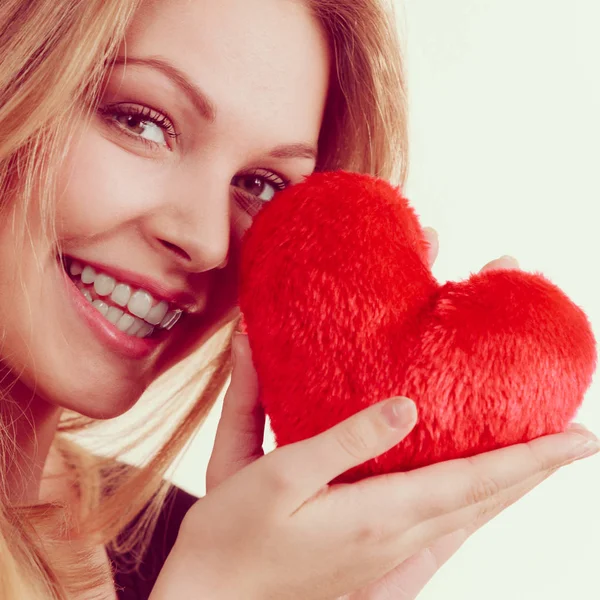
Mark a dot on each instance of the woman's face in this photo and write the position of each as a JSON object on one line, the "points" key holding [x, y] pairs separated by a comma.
{"points": [[212, 108]]}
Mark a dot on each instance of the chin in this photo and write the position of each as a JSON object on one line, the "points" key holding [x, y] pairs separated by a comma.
{"points": [[93, 390], [99, 405]]}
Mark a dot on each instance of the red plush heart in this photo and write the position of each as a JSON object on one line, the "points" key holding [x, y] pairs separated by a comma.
{"points": [[342, 311]]}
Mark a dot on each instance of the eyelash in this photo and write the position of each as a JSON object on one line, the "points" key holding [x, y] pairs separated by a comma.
{"points": [[278, 181], [144, 113]]}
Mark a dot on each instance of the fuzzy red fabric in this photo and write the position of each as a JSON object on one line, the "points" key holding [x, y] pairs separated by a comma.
{"points": [[342, 311]]}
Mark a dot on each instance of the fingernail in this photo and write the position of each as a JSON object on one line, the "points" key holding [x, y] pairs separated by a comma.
{"points": [[589, 448], [400, 412], [510, 259], [241, 326], [583, 430], [238, 340], [585, 449]]}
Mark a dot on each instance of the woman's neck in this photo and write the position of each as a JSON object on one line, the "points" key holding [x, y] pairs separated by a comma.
{"points": [[31, 422]]}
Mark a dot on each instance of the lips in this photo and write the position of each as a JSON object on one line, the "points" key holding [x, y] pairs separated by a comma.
{"points": [[133, 311], [110, 319]]}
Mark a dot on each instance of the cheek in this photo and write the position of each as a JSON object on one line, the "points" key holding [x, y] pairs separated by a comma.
{"points": [[102, 187]]}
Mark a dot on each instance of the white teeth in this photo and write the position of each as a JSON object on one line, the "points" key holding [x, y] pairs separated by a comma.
{"points": [[114, 314], [137, 325], [75, 269], [170, 319], [88, 275], [121, 294], [104, 285], [125, 322], [145, 330], [100, 306], [157, 313], [140, 304], [148, 312]]}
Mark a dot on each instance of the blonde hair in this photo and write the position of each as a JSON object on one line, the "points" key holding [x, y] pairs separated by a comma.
{"points": [[53, 59]]}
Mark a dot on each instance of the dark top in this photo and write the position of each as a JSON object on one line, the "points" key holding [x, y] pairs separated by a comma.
{"points": [[138, 585]]}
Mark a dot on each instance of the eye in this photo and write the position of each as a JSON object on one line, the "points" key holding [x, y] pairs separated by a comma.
{"points": [[145, 129], [140, 122], [261, 184]]}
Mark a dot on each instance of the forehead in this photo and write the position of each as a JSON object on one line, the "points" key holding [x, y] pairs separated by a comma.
{"points": [[262, 58]]}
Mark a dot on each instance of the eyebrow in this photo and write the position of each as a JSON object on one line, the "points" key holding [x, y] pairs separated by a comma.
{"points": [[294, 151], [206, 107], [198, 98]]}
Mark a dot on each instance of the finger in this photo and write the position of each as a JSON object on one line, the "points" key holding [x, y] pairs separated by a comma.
{"points": [[417, 571], [240, 433], [506, 499], [505, 262], [409, 578], [469, 522], [302, 469], [473, 517], [432, 238], [442, 489], [466, 482]]}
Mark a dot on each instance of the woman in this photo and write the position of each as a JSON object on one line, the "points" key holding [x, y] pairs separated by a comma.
{"points": [[137, 140]]}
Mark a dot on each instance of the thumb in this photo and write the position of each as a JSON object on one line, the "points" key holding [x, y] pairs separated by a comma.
{"points": [[240, 433], [316, 461]]}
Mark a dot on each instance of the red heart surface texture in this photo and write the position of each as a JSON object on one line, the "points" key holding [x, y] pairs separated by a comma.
{"points": [[342, 311]]}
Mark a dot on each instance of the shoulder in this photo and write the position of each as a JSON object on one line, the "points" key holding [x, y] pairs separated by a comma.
{"points": [[137, 585]]}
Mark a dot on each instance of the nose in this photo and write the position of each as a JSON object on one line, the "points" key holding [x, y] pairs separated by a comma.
{"points": [[193, 232], [195, 259]]}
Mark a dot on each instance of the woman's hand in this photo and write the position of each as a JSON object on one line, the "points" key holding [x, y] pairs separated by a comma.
{"points": [[272, 527], [276, 530]]}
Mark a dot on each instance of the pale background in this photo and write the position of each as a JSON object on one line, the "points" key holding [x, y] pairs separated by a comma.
{"points": [[505, 133]]}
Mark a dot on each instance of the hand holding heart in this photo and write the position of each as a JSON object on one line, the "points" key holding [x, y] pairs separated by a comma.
{"points": [[290, 534], [342, 311]]}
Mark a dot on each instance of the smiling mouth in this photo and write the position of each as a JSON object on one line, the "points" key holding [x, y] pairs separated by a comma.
{"points": [[133, 311]]}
